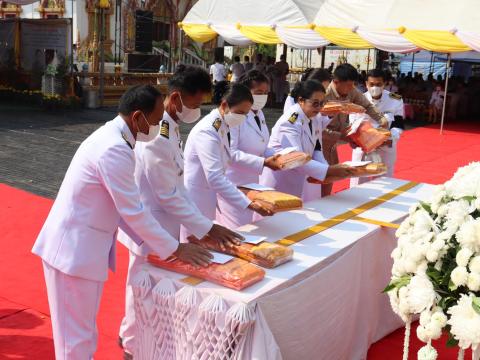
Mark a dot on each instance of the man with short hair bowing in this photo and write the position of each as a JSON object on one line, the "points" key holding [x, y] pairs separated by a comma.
{"points": [[98, 195]]}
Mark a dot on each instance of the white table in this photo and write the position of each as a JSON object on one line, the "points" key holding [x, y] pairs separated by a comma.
{"points": [[324, 304]]}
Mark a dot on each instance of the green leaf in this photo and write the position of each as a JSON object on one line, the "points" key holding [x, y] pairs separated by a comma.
{"points": [[426, 207], [469, 198], [434, 275], [452, 286], [476, 304], [451, 342], [397, 284]]}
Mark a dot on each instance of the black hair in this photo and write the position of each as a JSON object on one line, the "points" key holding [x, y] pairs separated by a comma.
{"points": [[246, 58], [236, 94], [237, 58], [218, 58], [252, 76], [318, 74], [190, 80], [345, 72], [305, 89], [138, 97], [376, 73]]}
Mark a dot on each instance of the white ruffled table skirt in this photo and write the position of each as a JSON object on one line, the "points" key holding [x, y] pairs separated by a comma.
{"points": [[336, 312]]}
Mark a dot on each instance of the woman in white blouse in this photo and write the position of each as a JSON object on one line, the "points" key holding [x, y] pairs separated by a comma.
{"points": [[248, 140]]}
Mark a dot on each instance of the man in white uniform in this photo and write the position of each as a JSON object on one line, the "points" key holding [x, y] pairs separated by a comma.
{"points": [[391, 106], [98, 194], [218, 71], [237, 69], [159, 175]]}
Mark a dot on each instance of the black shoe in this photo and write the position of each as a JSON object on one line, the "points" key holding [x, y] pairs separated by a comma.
{"points": [[127, 356], [120, 342]]}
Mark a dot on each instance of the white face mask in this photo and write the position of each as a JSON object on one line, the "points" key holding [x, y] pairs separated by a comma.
{"points": [[152, 132], [375, 91], [233, 119], [188, 115], [259, 102]]}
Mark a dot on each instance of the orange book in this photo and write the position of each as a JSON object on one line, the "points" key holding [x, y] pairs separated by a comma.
{"points": [[275, 201], [235, 274], [265, 254], [369, 138], [293, 160], [372, 169]]}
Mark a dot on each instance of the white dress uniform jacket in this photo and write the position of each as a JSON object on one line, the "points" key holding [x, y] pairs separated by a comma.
{"points": [[159, 175], [207, 157], [249, 148], [293, 130], [97, 195], [390, 105]]}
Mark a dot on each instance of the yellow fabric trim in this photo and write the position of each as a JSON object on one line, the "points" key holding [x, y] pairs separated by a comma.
{"points": [[434, 40], [260, 34], [343, 37], [192, 280], [315, 229], [376, 222], [199, 32], [327, 224]]}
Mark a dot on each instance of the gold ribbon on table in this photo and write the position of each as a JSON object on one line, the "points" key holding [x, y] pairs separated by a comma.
{"points": [[327, 224]]}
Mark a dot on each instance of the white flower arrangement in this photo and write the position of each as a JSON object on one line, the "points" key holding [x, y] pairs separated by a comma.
{"points": [[436, 269]]}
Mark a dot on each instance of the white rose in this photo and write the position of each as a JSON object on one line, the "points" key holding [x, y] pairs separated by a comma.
{"points": [[442, 210], [432, 256], [459, 276], [439, 318], [421, 294], [477, 201], [463, 257], [425, 317], [422, 334], [473, 281], [410, 266], [427, 352], [433, 330], [469, 235], [422, 268], [465, 322], [474, 265], [396, 253], [458, 213], [438, 245]]}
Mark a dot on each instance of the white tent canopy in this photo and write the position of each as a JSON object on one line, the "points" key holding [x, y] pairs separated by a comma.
{"points": [[390, 25]]}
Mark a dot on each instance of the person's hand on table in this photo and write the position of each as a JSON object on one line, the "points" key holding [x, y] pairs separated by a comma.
{"points": [[226, 238], [340, 171], [383, 123], [260, 209], [272, 162], [193, 254]]}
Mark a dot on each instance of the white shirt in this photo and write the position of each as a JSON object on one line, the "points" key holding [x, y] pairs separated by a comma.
{"points": [[159, 175], [437, 98], [207, 157], [237, 71], [292, 130], [99, 194], [218, 72]]}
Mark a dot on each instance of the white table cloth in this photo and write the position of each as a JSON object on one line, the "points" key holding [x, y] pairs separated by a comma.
{"points": [[324, 304]]}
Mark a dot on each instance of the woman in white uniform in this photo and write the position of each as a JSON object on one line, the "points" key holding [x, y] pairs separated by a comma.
{"points": [[314, 191], [248, 139], [301, 128], [208, 155]]}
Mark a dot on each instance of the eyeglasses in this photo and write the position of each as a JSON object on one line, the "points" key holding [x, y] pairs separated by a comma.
{"points": [[316, 104]]}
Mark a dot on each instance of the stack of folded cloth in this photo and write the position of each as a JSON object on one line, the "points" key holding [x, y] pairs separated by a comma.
{"points": [[293, 160], [275, 201], [368, 137], [235, 274], [371, 169], [335, 107], [265, 254]]}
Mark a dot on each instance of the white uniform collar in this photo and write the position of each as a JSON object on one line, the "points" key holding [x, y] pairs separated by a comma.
{"points": [[125, 130], [384, 96]]}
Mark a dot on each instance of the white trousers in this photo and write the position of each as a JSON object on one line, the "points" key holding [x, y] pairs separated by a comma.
{"points": [[73, 303], [127, 328]]}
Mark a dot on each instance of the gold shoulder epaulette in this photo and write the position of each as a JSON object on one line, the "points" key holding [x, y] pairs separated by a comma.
{"points": [[293, 118], [165, 129], [395, 96], [217, 123]]}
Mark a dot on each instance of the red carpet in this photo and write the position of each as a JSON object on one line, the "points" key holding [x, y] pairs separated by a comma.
{"points": [[25, 331]]}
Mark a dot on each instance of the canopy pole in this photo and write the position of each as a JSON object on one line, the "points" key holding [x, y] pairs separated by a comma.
{"points": [[445, 92], [431, 62], [413, 60]]}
